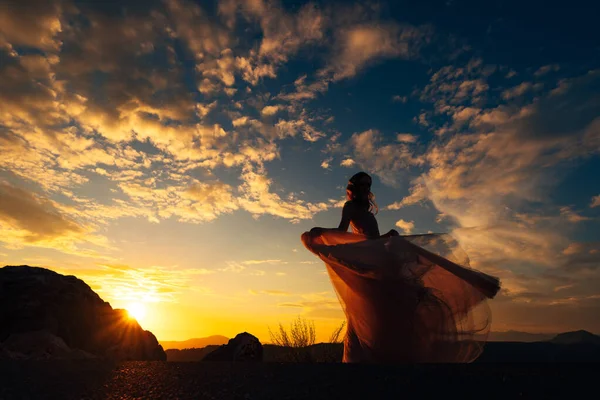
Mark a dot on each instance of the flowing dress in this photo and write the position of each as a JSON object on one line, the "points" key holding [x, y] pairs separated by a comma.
{"points": [[407, 299]]}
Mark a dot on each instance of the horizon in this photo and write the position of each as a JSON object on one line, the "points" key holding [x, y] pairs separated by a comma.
{"points": [[171, 154], [491, 332]]}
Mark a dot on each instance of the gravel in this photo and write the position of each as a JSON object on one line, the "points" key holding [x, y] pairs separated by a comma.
{"points": [[172, 380]]}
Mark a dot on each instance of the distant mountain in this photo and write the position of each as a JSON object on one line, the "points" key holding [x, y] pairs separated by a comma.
{"points": [[516, 336], [188, 355], [576, 337], [198, 343]]}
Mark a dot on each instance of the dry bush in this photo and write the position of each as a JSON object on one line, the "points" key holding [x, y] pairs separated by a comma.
{"points": [[336, 336], [298, 341]]}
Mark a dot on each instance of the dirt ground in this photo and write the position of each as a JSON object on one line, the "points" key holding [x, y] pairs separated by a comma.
{"points": [[162, 380]]}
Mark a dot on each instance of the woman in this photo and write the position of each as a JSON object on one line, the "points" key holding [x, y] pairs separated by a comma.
{"points": [[406, 298]]}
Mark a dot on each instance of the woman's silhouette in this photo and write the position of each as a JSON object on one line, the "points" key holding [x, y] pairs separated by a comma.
{"points": [[406, 298]]}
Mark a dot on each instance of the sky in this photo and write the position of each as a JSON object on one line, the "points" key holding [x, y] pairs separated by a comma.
{"points": [[171, 153]]}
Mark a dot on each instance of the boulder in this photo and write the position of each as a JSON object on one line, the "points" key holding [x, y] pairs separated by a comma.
{"points": [[44, 314], [41, 345], [243, 347]]}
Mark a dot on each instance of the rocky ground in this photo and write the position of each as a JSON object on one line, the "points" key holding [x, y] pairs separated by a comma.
{"points": [[85, 379]]}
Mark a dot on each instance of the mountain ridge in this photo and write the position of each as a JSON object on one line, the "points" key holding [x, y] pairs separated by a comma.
{"points": [[499, 336], [194, 343]]}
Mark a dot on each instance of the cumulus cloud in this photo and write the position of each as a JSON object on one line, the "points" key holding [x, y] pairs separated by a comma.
{"points": [[210, 199], [386, 160], [348, 162], [305, 91], [299, 126], [406, 226], [283, 34], [270, 110], [406, 138], [257, 197], [546, 69], [359, 45], [27, 219], [520, 90], [482, 173], [33, 24], [32, 218], [326, 163]]}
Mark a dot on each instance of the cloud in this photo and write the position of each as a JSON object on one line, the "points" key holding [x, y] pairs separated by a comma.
{"points": [[258, 199], [303, 91], [34, 24], [418, 193], [211, 199], [499, 161], [33, 218], [270, 110], [406, 138], [154, 284], [546, 68], [233, 266], [283, 34], [348, 162], [406, 226], [256, 262], [27, 219], [520, 90], [360, 45], [571, 216], [299, 126], [595, 201], [271, 292], [382, 159], [400, 99], [317, 305]]}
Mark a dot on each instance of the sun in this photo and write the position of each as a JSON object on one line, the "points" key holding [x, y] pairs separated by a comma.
{"points": [[137, 311]]}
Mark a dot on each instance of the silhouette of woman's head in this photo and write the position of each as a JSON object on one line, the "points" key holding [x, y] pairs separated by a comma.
{"points": [[359, 191]]}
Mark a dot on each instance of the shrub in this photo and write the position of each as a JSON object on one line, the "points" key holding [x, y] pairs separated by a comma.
{"points": [[297, 343]]}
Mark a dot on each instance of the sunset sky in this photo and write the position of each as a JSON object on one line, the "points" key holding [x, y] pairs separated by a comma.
{"points": [[171, 153]]}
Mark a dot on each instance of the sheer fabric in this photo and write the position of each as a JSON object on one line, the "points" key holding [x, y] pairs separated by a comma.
{"points": [[406, 298]]}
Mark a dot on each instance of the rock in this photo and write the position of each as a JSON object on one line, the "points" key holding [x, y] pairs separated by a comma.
{"points": [[41, 345], [243, 347], [44, 314], [576, 337]]}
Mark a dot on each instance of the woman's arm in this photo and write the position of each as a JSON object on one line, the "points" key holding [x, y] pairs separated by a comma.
{"points": [[391, 233], [347, 212]]}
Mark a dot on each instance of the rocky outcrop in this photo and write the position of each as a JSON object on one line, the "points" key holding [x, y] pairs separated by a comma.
{"points": [[243, 347], [576, 337], [44, 314], [40, 345]]}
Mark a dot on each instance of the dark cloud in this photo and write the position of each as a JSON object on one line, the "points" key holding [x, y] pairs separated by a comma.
{"points": [[31, 23], [566, 111], [38, 218]]}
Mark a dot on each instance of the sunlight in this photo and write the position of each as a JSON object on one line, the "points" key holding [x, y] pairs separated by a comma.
{"points": [[137, 311]]}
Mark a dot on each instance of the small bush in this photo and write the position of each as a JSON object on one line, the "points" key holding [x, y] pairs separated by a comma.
{"points": [[298, 342]]}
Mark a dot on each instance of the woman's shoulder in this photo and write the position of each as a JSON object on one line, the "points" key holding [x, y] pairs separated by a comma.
{"points": [[349, 204]]}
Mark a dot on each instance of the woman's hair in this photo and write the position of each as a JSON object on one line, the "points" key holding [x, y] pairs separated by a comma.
{"points": [[359, 191]]}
